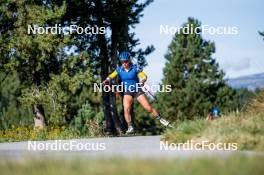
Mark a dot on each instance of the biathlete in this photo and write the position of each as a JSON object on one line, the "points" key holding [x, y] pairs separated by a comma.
{"points": [[131, 76]]}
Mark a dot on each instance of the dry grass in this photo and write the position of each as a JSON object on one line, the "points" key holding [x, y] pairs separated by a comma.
{"points": [[17, 133], [245, 128], [256, 106]]}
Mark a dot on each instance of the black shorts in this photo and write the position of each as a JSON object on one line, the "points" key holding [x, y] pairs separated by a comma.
{"points": [[135, 94]]}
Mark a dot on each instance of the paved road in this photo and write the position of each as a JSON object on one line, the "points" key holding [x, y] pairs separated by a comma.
{"points": [[143, 147]]}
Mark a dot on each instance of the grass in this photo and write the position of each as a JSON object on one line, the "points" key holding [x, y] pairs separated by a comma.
{"points": [[186, 130], [256, 105], [245, 129], [49, 133], [196, 166]]}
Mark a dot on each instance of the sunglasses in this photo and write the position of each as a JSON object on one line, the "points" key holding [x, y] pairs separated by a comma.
{"points": [[125, 62]]}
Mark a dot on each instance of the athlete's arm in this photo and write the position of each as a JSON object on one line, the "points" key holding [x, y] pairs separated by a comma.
{"points": [[110, 77], [142, 76]]}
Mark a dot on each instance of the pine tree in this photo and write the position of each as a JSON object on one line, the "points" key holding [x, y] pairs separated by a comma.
{"points": [[118, 17], [42, 64], [262, 34], [12, 112], [194, 75], [33, 57]]}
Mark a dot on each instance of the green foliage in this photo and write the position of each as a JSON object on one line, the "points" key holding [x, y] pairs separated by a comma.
{"points": [[87, 121], [11, 110], [84, 114], [242, 98], [65, 92], [262, 34], [47, 74], [33, 57], [194, 75]]}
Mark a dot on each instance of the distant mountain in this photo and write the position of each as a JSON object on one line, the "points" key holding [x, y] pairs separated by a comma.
{"points": [[251, 82]]}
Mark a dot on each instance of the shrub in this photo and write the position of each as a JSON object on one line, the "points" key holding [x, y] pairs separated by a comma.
{"points": [[87, 121]]}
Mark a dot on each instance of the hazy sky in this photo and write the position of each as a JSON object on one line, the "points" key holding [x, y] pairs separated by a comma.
{"points": [[240, 54]]}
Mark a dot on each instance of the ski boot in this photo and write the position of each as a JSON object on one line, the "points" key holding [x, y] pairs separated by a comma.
{"points": [[130, 130], [163, 121]]}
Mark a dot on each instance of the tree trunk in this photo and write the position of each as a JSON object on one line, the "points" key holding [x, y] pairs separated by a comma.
{"points": [[110, 112], [120, 40], [114, 64], [39, 117], [109, 124]]}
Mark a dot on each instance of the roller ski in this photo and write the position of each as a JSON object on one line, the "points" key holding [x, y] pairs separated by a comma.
{"points": [[131, 131], [164, 122]]}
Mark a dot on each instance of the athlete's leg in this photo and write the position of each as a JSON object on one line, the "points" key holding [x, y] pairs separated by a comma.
{"points": [[142, 99], [127, 102]]}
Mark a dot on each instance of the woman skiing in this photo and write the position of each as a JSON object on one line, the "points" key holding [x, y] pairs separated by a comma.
{"points": [[131, 77]]}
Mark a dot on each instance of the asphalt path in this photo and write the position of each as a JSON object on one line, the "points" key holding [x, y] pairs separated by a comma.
{"points": [[136, 147]]}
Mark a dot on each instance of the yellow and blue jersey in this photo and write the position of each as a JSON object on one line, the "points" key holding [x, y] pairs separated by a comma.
{"points": [[130, 77]]}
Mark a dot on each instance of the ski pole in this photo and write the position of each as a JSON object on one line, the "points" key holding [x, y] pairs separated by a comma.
{"points": [[150, 93]]}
